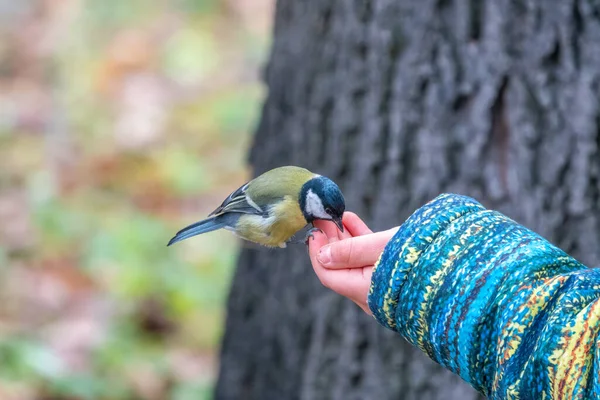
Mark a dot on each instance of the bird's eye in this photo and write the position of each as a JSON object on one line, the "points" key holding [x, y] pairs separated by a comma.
{"points": [[328, 210]]}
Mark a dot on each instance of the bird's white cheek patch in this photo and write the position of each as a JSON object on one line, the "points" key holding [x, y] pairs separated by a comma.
{"points": [[314, 206]]}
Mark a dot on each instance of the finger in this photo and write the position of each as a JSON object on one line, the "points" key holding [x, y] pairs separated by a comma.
{"points": [[332, 231], [343, 235], [328, 229], [325, 275], [362, 293], [355, 225], [351, 283], [355, 252], [331, 277], [318, 240]]}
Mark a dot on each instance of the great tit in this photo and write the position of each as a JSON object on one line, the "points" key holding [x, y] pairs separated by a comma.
{"points": [[273, 207]]}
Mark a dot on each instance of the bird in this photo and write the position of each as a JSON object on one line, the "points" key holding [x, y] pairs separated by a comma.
{"points": [[273, 207]]}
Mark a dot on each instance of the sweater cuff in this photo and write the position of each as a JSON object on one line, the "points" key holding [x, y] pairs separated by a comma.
{"points": [[475, 291], [403, 250]]}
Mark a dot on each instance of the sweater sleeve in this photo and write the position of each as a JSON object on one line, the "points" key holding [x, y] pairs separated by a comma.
{"points": [[492, 301]]}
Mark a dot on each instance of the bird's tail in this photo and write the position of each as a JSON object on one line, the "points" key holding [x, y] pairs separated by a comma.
{"points": [[206, 225]]}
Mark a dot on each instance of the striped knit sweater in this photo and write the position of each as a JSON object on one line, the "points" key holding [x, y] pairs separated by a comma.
{"points": [[492, 301]]}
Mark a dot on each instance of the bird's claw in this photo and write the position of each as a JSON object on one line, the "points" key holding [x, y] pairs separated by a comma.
{"points": [[310, 234]]}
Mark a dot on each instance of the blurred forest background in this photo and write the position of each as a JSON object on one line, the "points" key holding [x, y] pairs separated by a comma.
{"points": [[120, 122]]}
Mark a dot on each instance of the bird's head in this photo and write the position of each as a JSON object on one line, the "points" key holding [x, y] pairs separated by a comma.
{"points": [[321, 198]]}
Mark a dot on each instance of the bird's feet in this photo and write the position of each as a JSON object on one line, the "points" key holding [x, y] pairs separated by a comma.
{"points": [[310, 234]]}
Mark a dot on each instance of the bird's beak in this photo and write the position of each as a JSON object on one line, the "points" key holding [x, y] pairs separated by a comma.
{"points": [[338, 223]]}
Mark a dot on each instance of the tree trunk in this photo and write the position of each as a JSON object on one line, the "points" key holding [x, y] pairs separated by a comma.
{"points": [[398, 101]]}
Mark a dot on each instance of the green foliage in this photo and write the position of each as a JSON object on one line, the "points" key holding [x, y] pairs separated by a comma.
{"points": [[105, 14], [200, 6], [192, 391], [185, 173], [140, 126], [190, 56], [27, 359]]}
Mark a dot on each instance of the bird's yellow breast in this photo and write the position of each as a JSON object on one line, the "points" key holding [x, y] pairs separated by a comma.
{"points": [[284, 220]]}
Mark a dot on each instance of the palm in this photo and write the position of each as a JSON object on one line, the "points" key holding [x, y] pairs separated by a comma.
{"points": [[352, 256]]}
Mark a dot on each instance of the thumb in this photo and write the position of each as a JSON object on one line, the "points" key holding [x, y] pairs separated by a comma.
{"points": [[356, 252]]}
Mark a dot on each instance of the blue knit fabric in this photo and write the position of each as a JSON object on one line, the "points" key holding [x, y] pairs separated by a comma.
{"points": [[492, 301]]}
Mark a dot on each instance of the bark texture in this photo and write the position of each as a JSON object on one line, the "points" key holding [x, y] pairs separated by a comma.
{"points": [[398, 101]]}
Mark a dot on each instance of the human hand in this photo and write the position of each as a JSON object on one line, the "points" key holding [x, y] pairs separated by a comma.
{"points": [[344, 261]]}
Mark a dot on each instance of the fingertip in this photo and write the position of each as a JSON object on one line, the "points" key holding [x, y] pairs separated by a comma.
{"points": [[355, 225], [319, 223], [314, 246], [349, 215], [316, 241], [351, 283], [328, 228], [345, 234]]}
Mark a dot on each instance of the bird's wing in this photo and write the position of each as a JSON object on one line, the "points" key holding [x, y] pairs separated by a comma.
{"points": [[257, 196], [239, 202]]}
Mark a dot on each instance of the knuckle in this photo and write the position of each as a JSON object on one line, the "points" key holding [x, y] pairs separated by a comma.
{"points": [[336, 251], [350, 251], [341, 252]]}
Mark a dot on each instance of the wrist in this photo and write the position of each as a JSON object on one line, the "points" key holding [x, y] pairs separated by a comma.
{"points": [[402, 252]]}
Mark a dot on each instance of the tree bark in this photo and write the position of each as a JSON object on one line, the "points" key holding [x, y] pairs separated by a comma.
{"points": [[398, 101]]}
